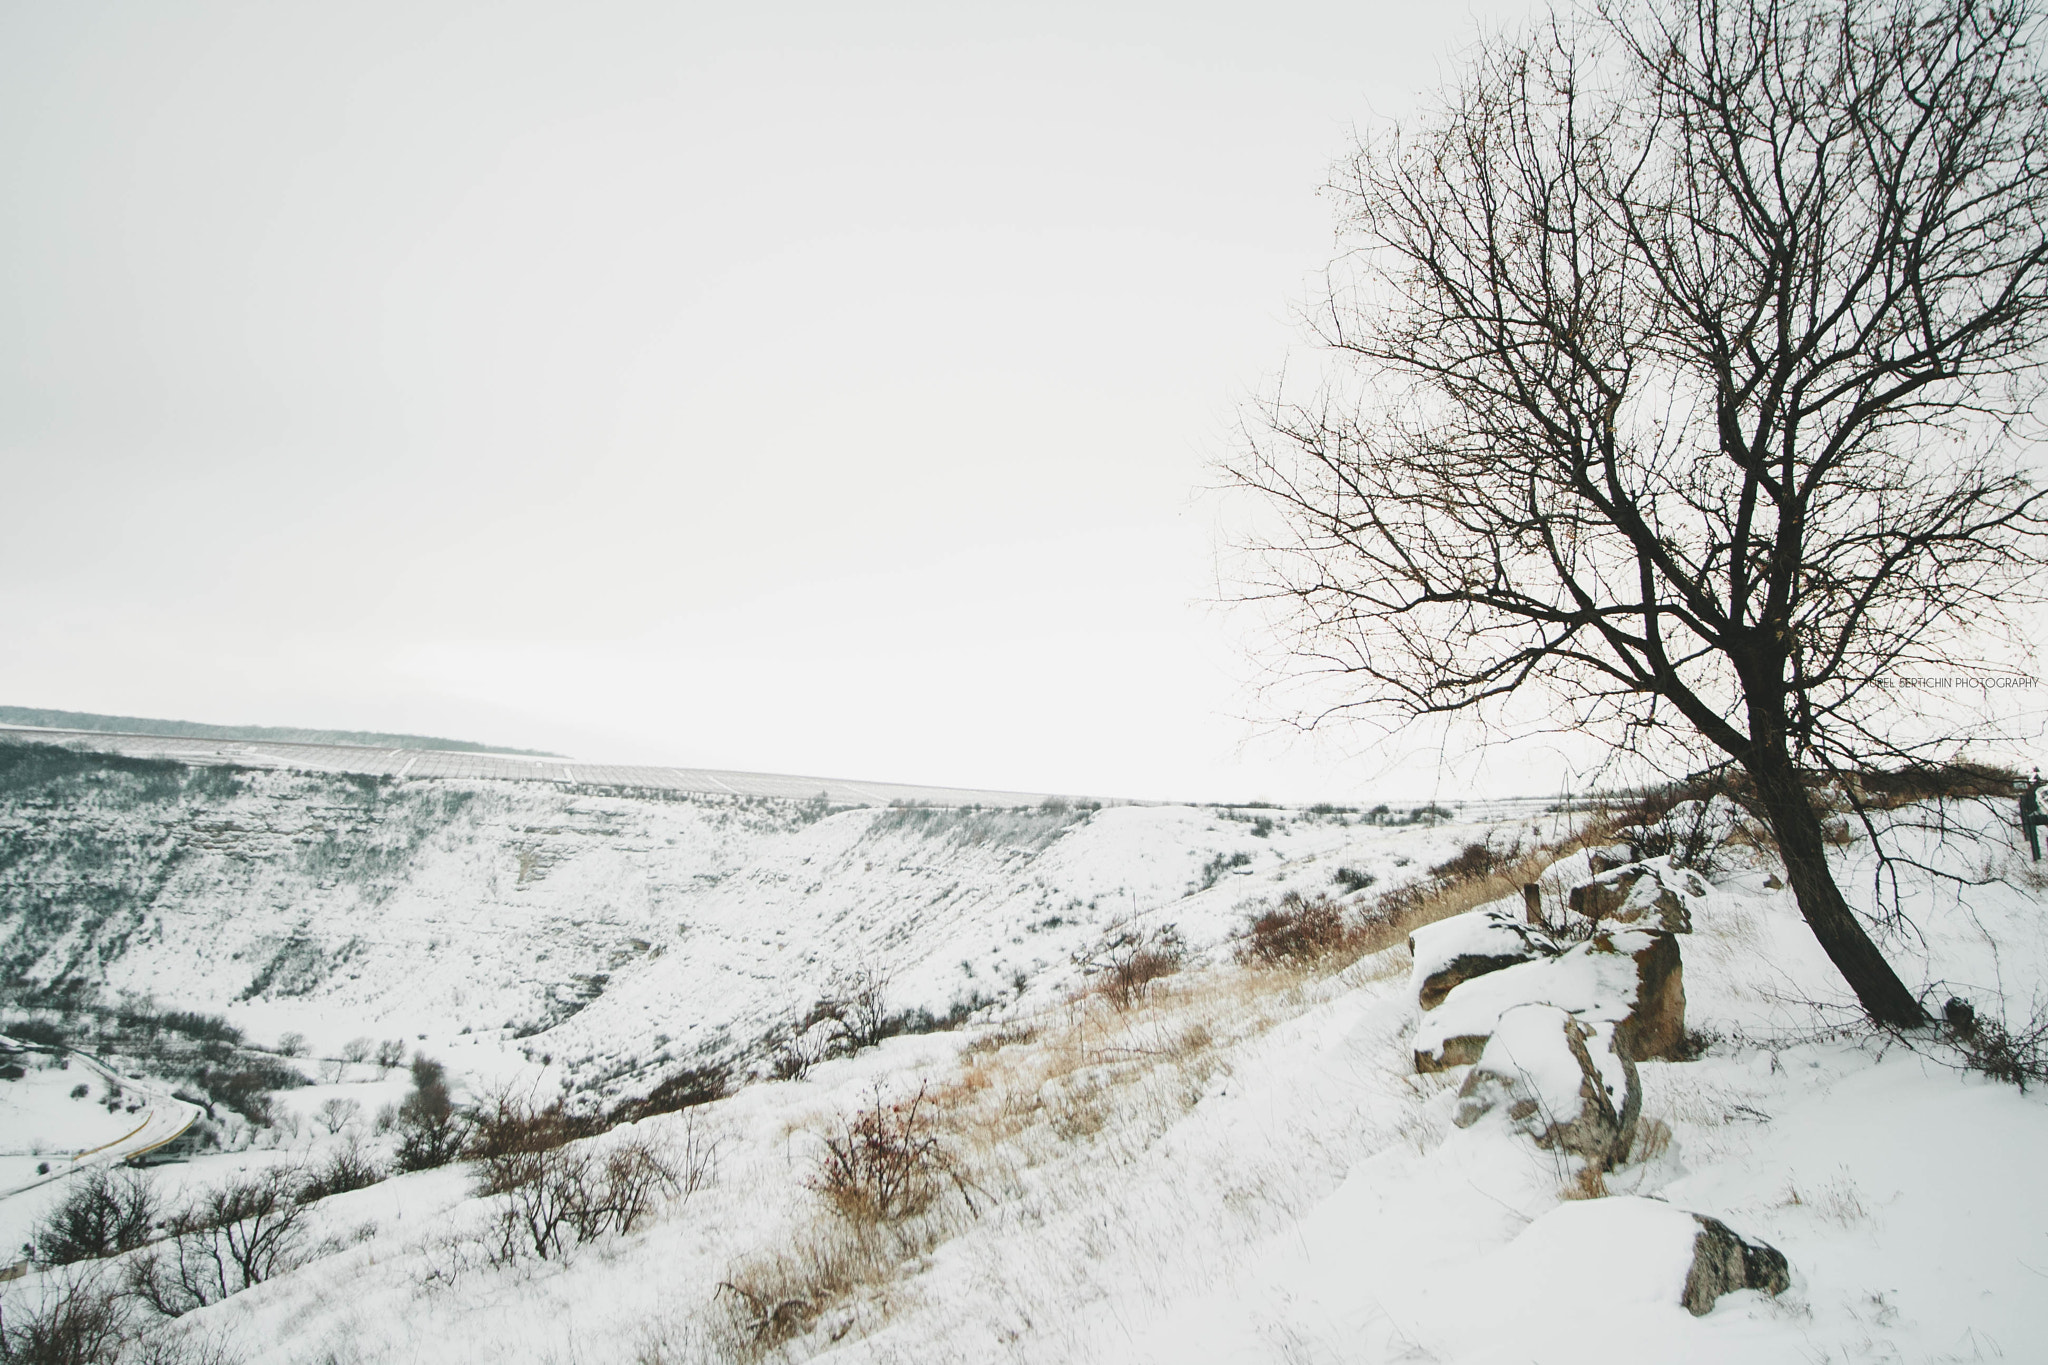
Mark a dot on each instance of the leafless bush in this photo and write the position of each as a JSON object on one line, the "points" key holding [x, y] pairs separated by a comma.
{"points": [[336, 1114], [1126, 961], [431, 1130], [104, 1213], [2016, 1056], [856, 1003], [563, 1196], [505, 1124], [685, 1089], [346, 1168], [357, 1050], [72, 1318], [1299, 932], [887, 1162], [225, 1240], [1475, 860]]}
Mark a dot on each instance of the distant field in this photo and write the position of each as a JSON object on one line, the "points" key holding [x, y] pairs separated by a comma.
{"points": [[186, 729], [393, 760]]}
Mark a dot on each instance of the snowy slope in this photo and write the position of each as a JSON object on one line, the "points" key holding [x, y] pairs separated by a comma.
{"points": [[1242, 1167], [337, 906]]}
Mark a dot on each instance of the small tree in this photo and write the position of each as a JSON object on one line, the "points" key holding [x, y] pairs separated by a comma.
{"points": [[105, 1212], [431, 1130], [1673, 379], [225, 1240]]}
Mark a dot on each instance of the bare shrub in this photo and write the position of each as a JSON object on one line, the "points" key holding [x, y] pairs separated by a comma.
{"points": [[336, 1114], [357, 1050], [390, 1053], [346, 1168], [1475, 860], [1299, 932], [2016, 1056], [856, 1003], [563, 1196], [1353, 879], [67, 1319], [686, 1089], [168, 1345], [222, 1242], [505, 1124], [105, 1213], [431, 1130], [1126, 961], [887, 1162]]}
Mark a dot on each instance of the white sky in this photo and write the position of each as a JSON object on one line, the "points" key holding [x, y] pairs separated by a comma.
{"points": [[816, 388]]}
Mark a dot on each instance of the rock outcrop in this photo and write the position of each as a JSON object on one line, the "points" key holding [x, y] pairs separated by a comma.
{"points": [[1723, 1261], [1652, 894], [1568, 1085], [1633, 979], [1455, 950]]}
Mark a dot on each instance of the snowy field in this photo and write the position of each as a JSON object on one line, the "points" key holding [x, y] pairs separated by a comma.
{"points": [[1242, 1165]]}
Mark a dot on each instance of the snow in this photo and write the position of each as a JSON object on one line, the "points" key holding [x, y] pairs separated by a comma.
{"points": [[1594, 980], [1490, 931], [1528, 1049], [1241, 1168]]}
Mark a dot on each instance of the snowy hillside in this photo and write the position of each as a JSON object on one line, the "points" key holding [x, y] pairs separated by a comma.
{"points": [[1228, 1162]]}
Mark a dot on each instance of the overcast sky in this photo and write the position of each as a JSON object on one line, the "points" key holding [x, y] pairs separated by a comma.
{"points": [[821, 388]]}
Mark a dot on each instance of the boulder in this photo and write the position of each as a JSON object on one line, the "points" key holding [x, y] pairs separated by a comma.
{"points": [[1613, 855], [1587, 1258], [1465, 946], [1652, 894], [1567, 1084], [1723, 1261], [1633, 979]]}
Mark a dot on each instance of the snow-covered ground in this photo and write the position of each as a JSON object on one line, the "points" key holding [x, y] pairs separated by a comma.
{"points": [[1241, 1167]]}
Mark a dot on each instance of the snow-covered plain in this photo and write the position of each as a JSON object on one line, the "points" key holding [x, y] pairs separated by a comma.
{"points": [[1241, 1167]]}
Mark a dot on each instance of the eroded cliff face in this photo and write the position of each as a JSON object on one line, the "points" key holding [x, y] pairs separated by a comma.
{"points": [[618, 935], [491, 903]]}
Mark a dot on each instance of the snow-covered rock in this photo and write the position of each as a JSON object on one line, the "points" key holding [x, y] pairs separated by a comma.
{"points": [[1633, 979], [1723, 1261], [1651, 893], [1568, 1085], [1457, 949]]}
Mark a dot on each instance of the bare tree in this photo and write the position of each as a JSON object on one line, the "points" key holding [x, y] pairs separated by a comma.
{"points": [[1680, 356]]}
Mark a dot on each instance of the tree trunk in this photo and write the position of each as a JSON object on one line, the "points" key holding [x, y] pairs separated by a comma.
{"points": [[1783, 794]]}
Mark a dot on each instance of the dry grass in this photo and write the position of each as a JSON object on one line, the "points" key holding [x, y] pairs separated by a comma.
{"points": [[1112, 1067], [1589, 1183]]}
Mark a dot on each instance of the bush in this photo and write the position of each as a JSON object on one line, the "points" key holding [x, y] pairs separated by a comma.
{"points": [[225, 1240], [105, 1213], [346, 1168], [1989, 1046], [1299, 932], [1473, 861], [1213, 870], [38, 1031], [506, 1126], [887, 1163], [857, 1006], [564, 1196], [431, 1130], [685, 1089], [74, 1320], [1126, 962], [1353, 879]]}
